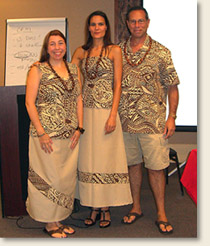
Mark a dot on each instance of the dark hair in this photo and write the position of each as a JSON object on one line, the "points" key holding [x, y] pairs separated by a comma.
{"points": [[137, 8], [88, 37], [44, 54]]}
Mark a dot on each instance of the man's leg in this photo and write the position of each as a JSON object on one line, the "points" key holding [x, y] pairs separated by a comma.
{"points": [[157, 183], [135, 176]]}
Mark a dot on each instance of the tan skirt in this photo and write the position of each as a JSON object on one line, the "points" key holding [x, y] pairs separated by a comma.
{"points": [[102, 167], [51, 180]]}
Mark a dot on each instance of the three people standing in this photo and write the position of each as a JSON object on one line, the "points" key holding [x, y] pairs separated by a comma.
{"points": [[103, 176]]}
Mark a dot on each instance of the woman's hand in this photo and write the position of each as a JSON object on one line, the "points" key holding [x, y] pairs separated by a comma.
{"points": [[75, 139], [46, 143], [110, 125]]}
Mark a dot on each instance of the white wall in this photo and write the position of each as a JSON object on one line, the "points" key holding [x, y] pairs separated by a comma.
{"points": [[174, 24]]}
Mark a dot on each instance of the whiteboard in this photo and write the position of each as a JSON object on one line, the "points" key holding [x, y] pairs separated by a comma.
{"points": [[24, 39]]}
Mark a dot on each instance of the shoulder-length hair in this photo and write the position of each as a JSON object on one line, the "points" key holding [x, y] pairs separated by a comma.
{"points": [[44, 56], [88, 37]]}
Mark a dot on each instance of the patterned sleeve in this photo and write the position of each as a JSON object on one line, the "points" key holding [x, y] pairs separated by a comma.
{"points": [[168, 73]]}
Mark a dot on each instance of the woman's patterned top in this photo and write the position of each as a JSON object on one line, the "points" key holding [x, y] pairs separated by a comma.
{"points": [[57, 108], [98, 92]]}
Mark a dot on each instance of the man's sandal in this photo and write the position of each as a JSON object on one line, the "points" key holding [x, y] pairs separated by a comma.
{"points": [[158, 223], [137, 216]]}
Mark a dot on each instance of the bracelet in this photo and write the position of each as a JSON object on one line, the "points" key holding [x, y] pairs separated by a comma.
{"points": [[173, 116], [80, 129], [41, 135]]}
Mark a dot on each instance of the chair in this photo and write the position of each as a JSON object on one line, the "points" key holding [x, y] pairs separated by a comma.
{"points": [[174, 157]]}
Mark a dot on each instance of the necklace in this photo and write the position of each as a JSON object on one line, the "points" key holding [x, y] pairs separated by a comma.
{"points": [[93, 74], [142, 59], [61, 80]]}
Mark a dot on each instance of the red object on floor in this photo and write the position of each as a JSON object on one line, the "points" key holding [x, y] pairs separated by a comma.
{"points": [[189, 176]]}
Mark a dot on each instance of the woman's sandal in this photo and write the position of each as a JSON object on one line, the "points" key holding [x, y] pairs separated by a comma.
{"points": [[101, 225], [89, 221], [67, 229], [56, 231]]}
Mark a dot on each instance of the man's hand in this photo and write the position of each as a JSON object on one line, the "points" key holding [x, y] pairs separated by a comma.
{"points": [[169, 127]]}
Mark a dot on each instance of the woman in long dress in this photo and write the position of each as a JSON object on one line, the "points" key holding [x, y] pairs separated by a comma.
{"points": [[54, 105], [102, 169]]}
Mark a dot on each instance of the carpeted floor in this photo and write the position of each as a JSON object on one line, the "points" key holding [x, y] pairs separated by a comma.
{"points": [[181, 212]]}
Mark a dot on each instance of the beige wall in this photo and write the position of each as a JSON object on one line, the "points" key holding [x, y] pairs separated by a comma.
{"points": [[76, 12]]}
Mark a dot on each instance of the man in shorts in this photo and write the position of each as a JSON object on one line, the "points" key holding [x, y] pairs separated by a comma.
{"points": [[149, 77]]}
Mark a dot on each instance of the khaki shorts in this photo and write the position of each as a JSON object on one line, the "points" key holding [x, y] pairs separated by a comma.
{"points": [[152, 149]]}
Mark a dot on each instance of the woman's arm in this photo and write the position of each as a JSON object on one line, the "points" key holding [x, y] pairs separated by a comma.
{"points": [[32, 87], [76, 136], [78, 56], [116, 56]]}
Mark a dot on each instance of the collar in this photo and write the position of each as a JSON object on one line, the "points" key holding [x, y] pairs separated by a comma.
{"points": [[144, 47]]}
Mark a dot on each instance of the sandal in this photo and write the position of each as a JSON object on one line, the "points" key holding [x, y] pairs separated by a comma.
{"points": [[136, 217], [50, 233], [90, 220], [66, 229], [158, 223], [103, 212]]}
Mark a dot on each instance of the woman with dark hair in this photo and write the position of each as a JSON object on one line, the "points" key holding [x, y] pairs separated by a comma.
{"points": [[102, 167], [54, 105], [89, 39]]}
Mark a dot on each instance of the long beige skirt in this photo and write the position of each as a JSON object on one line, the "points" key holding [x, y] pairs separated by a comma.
{"points": [[102, 167], [51, 180]]}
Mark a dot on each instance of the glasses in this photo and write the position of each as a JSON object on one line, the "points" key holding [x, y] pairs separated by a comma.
{"points": [[140, 22]]}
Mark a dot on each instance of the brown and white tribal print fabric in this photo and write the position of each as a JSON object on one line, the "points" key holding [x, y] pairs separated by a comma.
{"points": [[142, 106], [98, 92], [103, 178], [51, 193], [57, 108]]}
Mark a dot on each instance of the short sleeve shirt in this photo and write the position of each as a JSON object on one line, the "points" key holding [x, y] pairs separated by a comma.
{"points": [[56, 103], [142, 107]]}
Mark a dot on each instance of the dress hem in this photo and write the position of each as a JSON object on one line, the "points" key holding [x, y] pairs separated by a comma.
{"points": [[47, 221], [107, 205]]}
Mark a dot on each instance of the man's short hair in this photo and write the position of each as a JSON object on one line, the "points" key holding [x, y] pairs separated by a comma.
{"points": [[137, 8]]}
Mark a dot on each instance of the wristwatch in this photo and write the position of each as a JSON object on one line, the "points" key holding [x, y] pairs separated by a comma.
{"points": [[82, 130]]}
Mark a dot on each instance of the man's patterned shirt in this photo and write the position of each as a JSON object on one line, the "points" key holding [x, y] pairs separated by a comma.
{"points": [[142, 106]]}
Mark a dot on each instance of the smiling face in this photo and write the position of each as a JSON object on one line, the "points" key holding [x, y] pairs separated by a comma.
{"points": [[56, 47], [97, 27], [138, 24]]}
